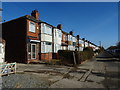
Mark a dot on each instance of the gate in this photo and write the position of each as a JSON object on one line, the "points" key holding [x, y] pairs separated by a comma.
{"points": [[7, 68]]}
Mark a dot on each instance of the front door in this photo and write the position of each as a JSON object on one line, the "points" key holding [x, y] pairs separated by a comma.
{"points": [[33, 51]]}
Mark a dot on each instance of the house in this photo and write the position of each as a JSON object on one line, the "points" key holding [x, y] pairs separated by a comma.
{"points": [[22, 40], [57, 39], [46, 41], [2, 50], [28, 39], [71, 41]]}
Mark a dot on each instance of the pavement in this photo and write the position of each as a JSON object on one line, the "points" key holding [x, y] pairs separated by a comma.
{"points": [[100, 72]]}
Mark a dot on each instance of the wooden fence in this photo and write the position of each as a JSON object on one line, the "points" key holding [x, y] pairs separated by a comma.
{"points": [[7, 68]]}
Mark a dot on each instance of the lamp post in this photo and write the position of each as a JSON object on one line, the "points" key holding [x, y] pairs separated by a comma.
{"points": [[100, 43]]}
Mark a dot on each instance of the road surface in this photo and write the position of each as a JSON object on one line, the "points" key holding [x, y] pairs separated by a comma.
{"points": [[100, 72]]}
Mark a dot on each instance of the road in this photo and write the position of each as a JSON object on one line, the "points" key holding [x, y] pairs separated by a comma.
{"points": [[100, 72], [111, 67]]}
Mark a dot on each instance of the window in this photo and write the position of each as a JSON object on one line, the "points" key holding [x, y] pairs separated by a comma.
{"points": [[47, 29], [48, 43], [32, 27], [74, 43]]}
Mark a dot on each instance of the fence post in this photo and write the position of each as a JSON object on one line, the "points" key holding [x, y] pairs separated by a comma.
{"points": [[15, 67], [74, 58]]}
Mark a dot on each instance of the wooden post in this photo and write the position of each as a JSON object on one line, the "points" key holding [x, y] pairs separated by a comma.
{"points": [[15, 67], [74, 58]]}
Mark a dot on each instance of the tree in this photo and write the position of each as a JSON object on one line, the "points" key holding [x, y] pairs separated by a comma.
{"points": [[113, 47], [118, 45]]}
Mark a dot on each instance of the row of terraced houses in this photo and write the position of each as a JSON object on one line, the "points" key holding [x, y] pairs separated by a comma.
{"points": [[28, 39]]}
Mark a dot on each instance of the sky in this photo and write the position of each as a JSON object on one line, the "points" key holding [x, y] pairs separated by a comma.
{"points": [[94, 21]]}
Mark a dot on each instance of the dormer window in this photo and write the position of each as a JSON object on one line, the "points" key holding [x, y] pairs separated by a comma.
{"points": [[32, 27]]}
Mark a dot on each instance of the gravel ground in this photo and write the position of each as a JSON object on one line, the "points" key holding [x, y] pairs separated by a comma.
{"points": [[24, 81]]}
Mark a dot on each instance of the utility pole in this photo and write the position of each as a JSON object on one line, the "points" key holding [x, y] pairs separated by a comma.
{"points": [[100, 43]]}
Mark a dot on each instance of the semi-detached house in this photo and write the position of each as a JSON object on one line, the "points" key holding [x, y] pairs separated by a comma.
{"points": [[22, 38], [28, 39]]}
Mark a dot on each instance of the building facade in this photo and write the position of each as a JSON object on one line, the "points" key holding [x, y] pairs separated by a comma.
{"points": [[46, 41], [22, 41], [57, 38], [64, 41], [28, 39]]}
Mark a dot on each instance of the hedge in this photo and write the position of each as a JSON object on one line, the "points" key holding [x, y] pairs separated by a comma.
{"points": [[66, 56]]}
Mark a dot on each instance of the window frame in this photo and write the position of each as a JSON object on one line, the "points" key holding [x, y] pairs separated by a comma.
{"points": [[32, 27]]}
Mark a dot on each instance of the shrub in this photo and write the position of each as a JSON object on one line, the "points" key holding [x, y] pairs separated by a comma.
{"points": [[66, 56]]}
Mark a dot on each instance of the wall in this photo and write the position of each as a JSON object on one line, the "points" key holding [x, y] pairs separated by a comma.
{"points": [[81, 45], [57, 37], [33, 34], [46, 42], [64, 41], [14, 33], [45, 37], [2, 52], [46, 47], [72, 42]]}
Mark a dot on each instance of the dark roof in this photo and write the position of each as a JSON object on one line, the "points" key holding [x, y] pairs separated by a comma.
{"points": [[33, 18], [65, 32], [26, 17]]}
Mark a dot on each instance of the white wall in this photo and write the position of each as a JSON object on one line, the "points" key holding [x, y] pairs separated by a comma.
{"points": [[64, 47], [57, 36], [86, 44], [2, 52], [46, 29], [46, 48], [70, 38], [71, 47], [81, 48], [57, 47], [74, 39], [45, 37]]}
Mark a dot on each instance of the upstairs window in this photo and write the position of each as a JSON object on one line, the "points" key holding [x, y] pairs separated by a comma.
{"points": [[32, 27], [46, 29]]}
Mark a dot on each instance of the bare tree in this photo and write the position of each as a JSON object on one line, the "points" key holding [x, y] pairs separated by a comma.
{"points": [[118, 45]]}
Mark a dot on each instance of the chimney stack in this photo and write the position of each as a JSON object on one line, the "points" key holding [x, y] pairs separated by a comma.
{"points": [[59, 26], [35, 14], [78, 36], [71, 32]]}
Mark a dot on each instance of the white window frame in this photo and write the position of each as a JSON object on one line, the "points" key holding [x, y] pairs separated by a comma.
{"points": [[30, 27]]}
